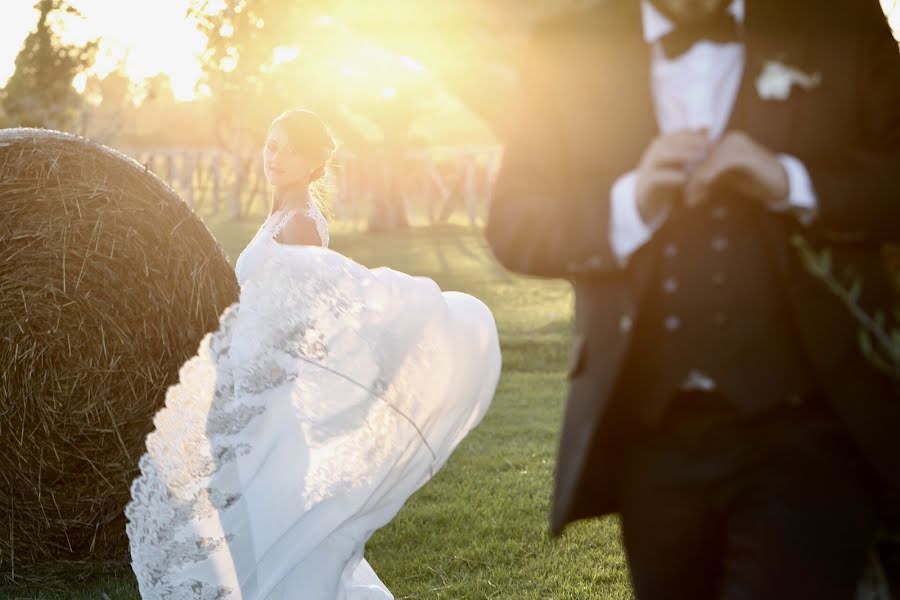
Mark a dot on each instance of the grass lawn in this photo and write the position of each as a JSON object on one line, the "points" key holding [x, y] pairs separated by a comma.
{"points": [[479, 528]]}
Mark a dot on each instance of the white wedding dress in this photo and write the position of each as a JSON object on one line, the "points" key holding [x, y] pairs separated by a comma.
{"points": [[328, 395]]}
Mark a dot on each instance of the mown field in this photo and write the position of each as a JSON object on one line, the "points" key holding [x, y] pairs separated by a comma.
{"points": [[479, 528]]}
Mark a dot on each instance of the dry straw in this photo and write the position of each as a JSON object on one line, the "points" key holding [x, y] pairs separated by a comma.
{"points": [[108, 281]]}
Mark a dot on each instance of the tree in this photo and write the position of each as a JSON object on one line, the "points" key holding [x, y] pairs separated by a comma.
{"points": [[40, 92], [394, 114], [107, 104], [470, 49], [241, 37]]}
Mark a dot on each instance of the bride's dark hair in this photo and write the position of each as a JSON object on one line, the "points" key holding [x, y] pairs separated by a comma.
{"points": [[309, 136]]}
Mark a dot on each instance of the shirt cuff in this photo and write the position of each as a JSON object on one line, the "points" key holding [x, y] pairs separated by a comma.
{"points": [[628, 231], [801, 198]]}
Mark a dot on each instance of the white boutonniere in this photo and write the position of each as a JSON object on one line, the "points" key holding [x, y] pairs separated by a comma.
{"points": [[776, 80]]}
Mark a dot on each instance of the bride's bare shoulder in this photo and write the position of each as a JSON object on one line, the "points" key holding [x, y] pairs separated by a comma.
{"points": [[301, 230]]}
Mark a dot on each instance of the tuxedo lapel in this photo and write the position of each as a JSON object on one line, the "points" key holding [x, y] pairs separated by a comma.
{"points": [[644, 127], [617, 120]]}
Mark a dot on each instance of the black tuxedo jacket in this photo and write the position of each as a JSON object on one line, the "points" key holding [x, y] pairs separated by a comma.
{"points": [[585, 117]]}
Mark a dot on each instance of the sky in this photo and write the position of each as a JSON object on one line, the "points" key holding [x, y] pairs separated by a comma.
{"points": [[148, 37]]}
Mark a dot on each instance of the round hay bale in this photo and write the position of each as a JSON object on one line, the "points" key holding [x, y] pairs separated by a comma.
{"points": [[108, 281]]}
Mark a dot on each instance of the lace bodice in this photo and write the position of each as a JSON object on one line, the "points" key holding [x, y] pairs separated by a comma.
{"points": [[251, 258]]}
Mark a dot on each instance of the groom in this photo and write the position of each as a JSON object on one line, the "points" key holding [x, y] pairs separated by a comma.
{"points": [[666, 154]]}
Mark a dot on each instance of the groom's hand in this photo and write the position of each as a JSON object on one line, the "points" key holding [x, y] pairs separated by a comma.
{"points": [[665, 171], [740, 164]]}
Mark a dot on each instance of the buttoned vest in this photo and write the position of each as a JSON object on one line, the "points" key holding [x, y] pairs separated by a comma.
{"points": [[716, 317]]}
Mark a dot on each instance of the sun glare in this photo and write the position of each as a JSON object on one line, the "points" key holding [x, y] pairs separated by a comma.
{"points": [[285, 54], [148, 38], [323, 21], [143, 38], [411, 64]]}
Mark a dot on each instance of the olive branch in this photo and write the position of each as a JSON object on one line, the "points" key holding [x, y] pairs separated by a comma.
{"points": [[879, 343]]}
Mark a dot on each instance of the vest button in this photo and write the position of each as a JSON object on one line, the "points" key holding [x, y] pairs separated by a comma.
{"points": [[719, 244], [720, 318], [625, 323], [719, 212], [718, 278], [672, 323], [670, 285], [697, 380], [670, 251], [594, 262]]}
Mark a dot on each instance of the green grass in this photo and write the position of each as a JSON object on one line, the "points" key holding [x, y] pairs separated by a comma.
{"points": [[479, 528]]}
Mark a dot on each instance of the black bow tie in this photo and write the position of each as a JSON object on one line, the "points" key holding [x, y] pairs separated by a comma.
{"points": [[720, 29]]}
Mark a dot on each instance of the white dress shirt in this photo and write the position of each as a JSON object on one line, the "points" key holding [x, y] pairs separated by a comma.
{"points": [[695, 90]]}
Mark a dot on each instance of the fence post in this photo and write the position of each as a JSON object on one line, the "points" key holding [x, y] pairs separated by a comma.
{"points": [[216, 174], [187, 177]]}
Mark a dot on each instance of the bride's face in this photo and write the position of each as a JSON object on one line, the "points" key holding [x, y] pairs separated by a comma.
{"points": [[283, 166]]}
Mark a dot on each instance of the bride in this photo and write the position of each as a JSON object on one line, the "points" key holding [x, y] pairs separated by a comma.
{"points": [[327, 396]]}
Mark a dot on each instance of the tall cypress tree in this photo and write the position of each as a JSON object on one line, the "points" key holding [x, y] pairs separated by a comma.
{"points": [[40, 92]]}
